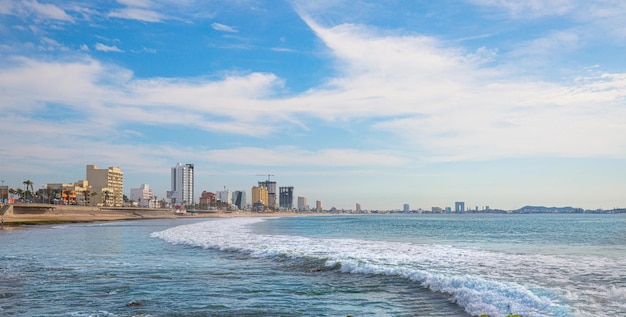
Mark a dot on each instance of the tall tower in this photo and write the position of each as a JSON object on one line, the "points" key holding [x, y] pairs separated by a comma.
{"points": [[239, 199], [459, 206], [302, 203], [271, 193], [259, 195], [182, 185], [286, 197]]}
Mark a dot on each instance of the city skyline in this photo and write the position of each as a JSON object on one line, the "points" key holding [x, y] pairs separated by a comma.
{"points": [[494, 103]]}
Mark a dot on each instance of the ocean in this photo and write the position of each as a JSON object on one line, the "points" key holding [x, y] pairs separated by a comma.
{"points": [[339, 265]]}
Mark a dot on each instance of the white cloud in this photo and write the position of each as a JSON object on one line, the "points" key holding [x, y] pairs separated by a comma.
{"points": [[48, 11], [107, 48], [137, 14], [450, 108], [530, 8], [137, 3], [223, 28], [436, 102], [34, 8]]}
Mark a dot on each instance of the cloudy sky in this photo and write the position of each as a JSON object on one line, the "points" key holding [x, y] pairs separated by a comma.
{"points": [[498, 103]]}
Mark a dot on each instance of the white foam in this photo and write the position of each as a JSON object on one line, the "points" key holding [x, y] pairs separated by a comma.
{"points": [[482, 282]]}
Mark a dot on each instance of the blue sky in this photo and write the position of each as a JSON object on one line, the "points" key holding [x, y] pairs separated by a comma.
{"points": [[498, 103]]}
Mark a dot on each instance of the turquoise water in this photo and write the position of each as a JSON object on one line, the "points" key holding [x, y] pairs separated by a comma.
{"points": [[388, 265]]}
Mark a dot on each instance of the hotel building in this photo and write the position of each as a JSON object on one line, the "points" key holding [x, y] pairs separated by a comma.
{"points": [[182, 185], [108, 184]]}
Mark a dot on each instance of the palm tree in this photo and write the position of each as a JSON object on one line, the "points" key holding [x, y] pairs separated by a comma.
{"points": [[28, 184], [86, 193], [12, 192], [106, 193], [20, 193]]}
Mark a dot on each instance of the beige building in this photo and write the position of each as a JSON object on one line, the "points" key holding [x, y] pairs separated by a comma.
{"points": [[108, 184], [260, 194], [318, 206]]}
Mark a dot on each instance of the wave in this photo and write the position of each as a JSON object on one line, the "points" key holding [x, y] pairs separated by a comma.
{"points": [[467, 275]]}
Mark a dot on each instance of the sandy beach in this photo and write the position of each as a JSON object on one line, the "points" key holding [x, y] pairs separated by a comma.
{"points": [[32, 214]]}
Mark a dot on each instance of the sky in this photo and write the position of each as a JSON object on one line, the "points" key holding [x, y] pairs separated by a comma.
{"points": [[499, 103]]}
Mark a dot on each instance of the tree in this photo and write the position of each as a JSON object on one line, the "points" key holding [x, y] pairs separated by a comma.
{"points": [[20, 193], [86, 193], [107, 193], [28, 184]]}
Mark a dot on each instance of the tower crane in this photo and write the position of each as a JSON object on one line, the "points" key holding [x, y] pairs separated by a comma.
{"points": [[268, 176]]}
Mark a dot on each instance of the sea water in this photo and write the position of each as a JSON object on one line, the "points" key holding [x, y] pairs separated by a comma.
{"points": [[366, 265]]}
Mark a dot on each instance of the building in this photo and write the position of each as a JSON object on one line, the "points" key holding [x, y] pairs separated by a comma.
{"points": [[207, 199], [286, 197], [239, 199], [318, 206], [406, 208], [459, 206], [271, 193], [358, 207], [77, 193], [225, 196], [143, 196], [259, 195], [4, 194], [302, 206], [181, 193], [108, 185], [437, 210]]}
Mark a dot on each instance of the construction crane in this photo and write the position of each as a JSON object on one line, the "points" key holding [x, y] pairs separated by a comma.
{"points": [[268, 176]]}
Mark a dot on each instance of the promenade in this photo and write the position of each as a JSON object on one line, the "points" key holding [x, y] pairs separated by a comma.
{"points": [[25, 214]]}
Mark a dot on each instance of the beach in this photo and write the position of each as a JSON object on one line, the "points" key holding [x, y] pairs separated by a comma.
{"points": [[32, 214]]}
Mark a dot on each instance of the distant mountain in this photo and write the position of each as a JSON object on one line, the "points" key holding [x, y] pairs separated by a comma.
{"points": [[543, 209]]}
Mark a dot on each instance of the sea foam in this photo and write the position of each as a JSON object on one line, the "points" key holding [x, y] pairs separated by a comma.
{"points": [[482, 282]]}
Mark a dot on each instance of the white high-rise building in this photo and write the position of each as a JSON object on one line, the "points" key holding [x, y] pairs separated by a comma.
{"points": [[182, 185], [143, 196], [224, 196]]}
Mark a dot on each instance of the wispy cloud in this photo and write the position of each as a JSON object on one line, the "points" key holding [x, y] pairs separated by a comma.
{"points": [[223, 28], [530, 8], [40, 11], [107, 48], [137, 14]]}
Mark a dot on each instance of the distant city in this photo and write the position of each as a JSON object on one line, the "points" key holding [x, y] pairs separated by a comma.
{"points": [[105, 187]]}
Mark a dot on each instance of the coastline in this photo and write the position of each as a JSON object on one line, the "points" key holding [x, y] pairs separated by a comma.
{"points": [[37, 214]]}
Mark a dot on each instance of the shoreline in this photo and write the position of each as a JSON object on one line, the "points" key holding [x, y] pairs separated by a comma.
{"points": [[14, 216]]}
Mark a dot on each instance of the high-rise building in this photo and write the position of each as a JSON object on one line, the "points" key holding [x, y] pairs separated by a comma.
{"points": [[225, 196], [259, 194], [181, 193], [108, 185], [459, 206], [302, 203], [358, 207], [271, 193], [318, 206], [239, 199], [143, 196], [286, 197], [406, 208]]}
